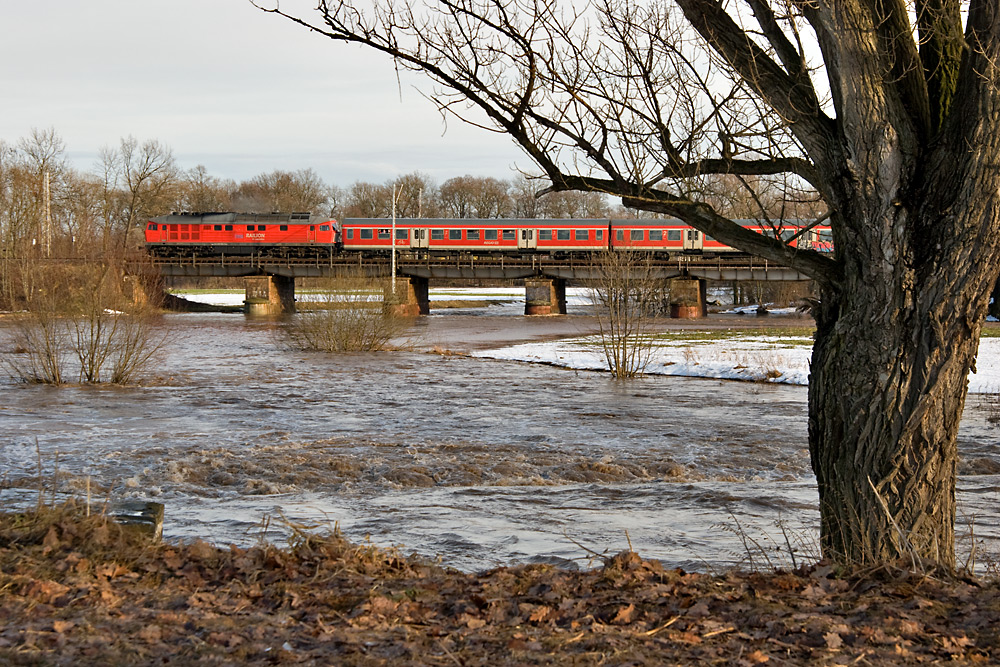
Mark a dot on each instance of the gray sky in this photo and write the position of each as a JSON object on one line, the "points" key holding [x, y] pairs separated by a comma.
{"points": [[227, 86]]}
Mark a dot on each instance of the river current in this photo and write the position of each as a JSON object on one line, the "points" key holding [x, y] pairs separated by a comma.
{"points": [[478, 462]]}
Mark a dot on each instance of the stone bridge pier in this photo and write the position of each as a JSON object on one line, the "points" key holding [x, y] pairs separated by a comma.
{"points": [[544, 296], [687, 298], [412, 296], [268, 296]]}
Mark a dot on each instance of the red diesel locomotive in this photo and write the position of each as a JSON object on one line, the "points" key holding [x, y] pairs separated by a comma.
{"points": [[297, 235], [206, 234]]}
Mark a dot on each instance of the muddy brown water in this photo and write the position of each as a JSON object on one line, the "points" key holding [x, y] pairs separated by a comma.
{"points": [[475, 461]]}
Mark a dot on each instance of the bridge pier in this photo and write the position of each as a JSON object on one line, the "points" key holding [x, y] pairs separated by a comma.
{"points": [[412, 296], [544, 296], [267, 296], [687, 298]]}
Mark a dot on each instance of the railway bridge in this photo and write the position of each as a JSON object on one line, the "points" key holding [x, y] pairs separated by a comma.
{"points": [[270, 281]]}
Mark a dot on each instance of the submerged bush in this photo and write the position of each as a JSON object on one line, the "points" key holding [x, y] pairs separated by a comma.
{"points": [[82, 313], [352, 315]]}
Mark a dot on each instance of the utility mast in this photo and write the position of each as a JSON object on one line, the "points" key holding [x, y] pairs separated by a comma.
{"points": [[47, 229]]}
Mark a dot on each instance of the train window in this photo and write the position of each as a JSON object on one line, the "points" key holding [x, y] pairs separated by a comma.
{"points": [[581, 234], [229, 228], [472, 234], [600, 234], [490, 234], [218, 228], [151, 227], [788, 234], [826, 235], [655, 234], [620, 235], [322, 228], [673, 235], [635, 235], [261, 228], [282, 228], [509, 235], [250, 228], [562, 234], [454, 234], [312, 228], [544, 234], [350, 233], [402, 234], [383, 235], [367, 234], [437, 235]]}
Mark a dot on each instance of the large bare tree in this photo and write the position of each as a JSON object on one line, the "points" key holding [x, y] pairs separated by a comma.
{"points": [[888, 109]]}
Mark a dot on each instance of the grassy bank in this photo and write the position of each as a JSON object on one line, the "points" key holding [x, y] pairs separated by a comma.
{"points": [[81, 590]]}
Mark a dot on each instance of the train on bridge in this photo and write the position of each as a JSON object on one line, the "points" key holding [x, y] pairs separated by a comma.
{"points": [[298, 235]]}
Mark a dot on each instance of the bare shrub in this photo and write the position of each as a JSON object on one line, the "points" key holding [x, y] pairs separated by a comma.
{"points": [[627, 296], [352, 315], [82, 311]]}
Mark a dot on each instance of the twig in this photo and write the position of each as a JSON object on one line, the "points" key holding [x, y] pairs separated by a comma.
{"points": [[650, 633]]}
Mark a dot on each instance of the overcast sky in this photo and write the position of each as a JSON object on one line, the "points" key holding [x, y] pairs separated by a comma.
{"points": [[226, 86]]}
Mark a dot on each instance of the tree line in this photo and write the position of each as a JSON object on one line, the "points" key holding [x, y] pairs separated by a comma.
{"points": [[50, 208]]}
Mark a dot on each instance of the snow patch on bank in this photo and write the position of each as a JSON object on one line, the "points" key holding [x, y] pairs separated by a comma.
{"points": [[753, 358]]}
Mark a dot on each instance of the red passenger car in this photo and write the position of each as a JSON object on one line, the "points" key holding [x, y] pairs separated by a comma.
{"points": [[439, 235], [279, 234]]}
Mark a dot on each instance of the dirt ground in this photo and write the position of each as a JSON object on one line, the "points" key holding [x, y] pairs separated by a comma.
{"points": [[78, 590]]}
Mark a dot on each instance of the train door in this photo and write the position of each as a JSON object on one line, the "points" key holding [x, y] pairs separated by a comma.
{"points": [[526, 240], [692, 239], [419, 238]]}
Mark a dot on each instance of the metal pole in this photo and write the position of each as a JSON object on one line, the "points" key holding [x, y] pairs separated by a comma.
{"points": [[392, 240]]}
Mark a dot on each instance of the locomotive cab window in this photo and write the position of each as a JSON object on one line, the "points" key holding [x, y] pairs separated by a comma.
{"points": [[151, 227], [282, 228], [322, 228]]}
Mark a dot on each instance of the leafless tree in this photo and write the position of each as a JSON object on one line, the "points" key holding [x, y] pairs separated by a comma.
{"points": [[301, 190], [626, 297], [474, 197], [203, 192], [140, 180], [890, 110]]}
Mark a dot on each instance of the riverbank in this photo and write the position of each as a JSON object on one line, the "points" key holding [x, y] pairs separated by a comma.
{"points": [[80, 590]]}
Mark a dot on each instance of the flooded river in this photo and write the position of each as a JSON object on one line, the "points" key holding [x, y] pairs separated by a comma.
{"points": [[479, 462]]}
